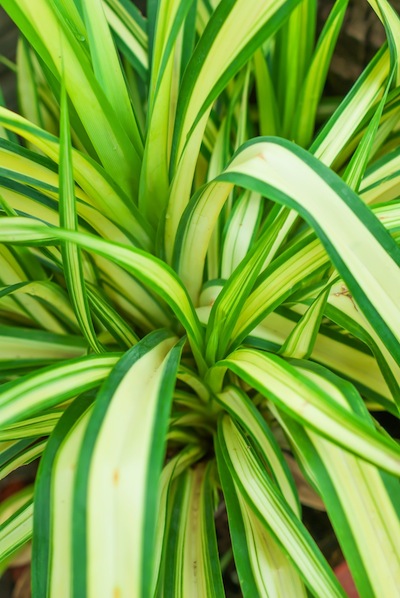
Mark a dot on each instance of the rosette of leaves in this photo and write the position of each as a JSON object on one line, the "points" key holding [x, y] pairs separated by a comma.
{"points": [[199, 270]]}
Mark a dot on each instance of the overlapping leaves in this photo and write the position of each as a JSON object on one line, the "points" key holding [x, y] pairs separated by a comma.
{"points": [[203, 268]]}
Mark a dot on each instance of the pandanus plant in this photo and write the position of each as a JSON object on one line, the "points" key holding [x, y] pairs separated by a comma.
{"points": [[199, 270]]}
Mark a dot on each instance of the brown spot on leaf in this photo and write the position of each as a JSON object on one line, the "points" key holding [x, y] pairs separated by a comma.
{"points": [[116, 477], [344, 292]]}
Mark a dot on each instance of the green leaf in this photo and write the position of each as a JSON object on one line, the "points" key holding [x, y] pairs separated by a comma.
{"points": [[240, 232], [310, 404], [348, 230], [365, 93], [215, 60], [213, 64], [391, 22], [359, 161], [189, 455], [26, 345], [342, 310], [331, 349], [50, 296], [362, 502], [130, 31], [107, 68], [112, 320], [32, 427], [381, 180], [17, 453], [225, 310], [154, 272], [90, 176], [12, 274], [192, 564], [243, 411], [164, 84], [16, 529], [272, 511], [290, 58], [124, 444], [266, 96], [72, 261], [303, 109], [27, 85], [117, 153], [53, 516], [300, 343], [51, 386]]}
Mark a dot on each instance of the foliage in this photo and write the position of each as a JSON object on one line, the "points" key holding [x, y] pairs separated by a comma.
{"points": [[184, 303]]}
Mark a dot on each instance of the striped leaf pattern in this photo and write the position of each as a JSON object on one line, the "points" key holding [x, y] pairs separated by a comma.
{"points": [[199, 300]]}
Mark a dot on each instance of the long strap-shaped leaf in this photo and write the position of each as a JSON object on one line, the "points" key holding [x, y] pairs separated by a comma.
{"points": [[31, 173], [52, 296], [116, 151], [346, 227], [148, 269], [106, 67], [242, 410], [174, 468], [16, 530], [216, 59], [362, 502], [117, 484], [90, 176], [340, 128], [381, 181], [331, 350], [262, 565], [359, 161], [130, 30], [223, 315], [391, 21], [214, 62], [32, 427], [142, 306], [294, 45], [31, 344], [300, 343], [342, 310], [112, 319], [51, 386], [13, 273], [309, 404], [273, 512], [366, 501], [164, 85], [52, 533], [241, 230], [306, 103], [28, 95], [191, 564], [72, 259], [15, 454]]}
